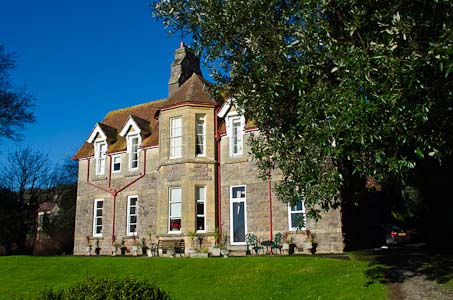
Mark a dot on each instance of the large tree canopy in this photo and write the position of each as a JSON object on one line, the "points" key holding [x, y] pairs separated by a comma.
{"points": [[339, 89], [15, 104]]}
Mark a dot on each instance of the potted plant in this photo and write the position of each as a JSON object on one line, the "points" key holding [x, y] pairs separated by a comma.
{"points": [[115, 248], [97, 249], [88, 246], [135, 245], [144, 247], [123, 247], [200, 238], [215, 250], [151, 245], [292, 245], [223, 246], [286, 240], [310, 243], [192, 237]]}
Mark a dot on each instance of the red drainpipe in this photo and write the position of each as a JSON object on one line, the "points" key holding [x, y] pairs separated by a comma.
{"points": [[115, 192], [219, 193], [113, 219], [110, 170], [269, 191]]}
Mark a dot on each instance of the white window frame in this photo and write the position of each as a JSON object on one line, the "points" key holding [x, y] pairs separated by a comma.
{"points": [[129, 215], [40, 220], [202, 200], [291, 212], [200, 135], [176, 140], [96, 218], [114, 157], [236, 135], [237, 200], [170, 216], [100, 156], [130, 150]]}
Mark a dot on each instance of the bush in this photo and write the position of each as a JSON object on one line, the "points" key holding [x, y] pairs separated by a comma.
{"points": [[107, 289]]}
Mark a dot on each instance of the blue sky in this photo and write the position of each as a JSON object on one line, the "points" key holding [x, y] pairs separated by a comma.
{"points": [[82, 59]]}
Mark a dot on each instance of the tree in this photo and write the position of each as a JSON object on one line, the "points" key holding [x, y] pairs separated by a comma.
{"points": [[340, 90], [26, 174], [15, 104], [59, 227], [28, 179]]}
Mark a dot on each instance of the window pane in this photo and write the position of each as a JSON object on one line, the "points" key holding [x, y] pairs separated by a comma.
{"points": [[133, 201], [175, 224], [132, 210], [133, 219], [175, 210], [200, 223], [100, 204], [133, 228], [238, 192], [175, 195], [200, 208]]}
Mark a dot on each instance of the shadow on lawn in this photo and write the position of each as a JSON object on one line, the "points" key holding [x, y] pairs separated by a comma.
{"points": [[397, 264]]}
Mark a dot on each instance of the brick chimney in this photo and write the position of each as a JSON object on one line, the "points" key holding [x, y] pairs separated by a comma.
{"points": [[184, 65]]}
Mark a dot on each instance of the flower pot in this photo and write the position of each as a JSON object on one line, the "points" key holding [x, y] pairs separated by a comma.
{"points": [[144, 249], [134, 250], [88, 250], [285, 246], [215, 251], [292, 248], [225, 252], [114, 251], [97, 251], [123, 250], [149, 252]]}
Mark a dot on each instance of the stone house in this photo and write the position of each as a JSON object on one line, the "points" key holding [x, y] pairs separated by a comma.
{"points": [[179, 165]]}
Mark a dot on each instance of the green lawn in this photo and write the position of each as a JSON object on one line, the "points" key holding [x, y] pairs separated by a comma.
{"points": [[295, 277]]}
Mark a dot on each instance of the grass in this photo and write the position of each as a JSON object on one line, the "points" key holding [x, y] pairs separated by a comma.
{"points": [[295, 277]]}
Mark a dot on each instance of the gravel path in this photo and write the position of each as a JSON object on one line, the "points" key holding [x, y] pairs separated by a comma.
{"points": [[415, 272], [420, 288]]}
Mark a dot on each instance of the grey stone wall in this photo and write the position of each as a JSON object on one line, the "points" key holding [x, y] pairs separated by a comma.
{"points": [[243, 171]]}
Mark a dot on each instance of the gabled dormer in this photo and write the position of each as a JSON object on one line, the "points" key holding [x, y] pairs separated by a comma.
{"points": [[101, 137], [235, 126], [134, 131]]}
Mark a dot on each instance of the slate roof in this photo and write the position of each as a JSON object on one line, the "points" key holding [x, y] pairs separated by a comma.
{"points": [[194, 90]]}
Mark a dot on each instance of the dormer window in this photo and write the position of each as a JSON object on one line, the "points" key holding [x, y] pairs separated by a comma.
{"points": [[236, 133], [133, 132], [133, 142], [100, 153]]}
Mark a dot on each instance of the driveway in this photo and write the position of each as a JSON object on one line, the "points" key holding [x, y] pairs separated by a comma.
{"points": [[413, 271]]}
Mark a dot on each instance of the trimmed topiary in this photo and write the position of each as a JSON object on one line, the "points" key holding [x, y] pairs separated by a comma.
{"points": [[107, 289]]}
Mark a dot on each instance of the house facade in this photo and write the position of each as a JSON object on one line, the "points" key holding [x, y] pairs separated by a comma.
{"points": [[181, 165]]}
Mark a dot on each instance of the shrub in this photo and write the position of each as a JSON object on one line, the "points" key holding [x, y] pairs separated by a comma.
{"points": [[107, 289]]}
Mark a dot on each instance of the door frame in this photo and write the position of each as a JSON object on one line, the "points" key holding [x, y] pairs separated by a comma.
{"points": [[238, 200]]}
